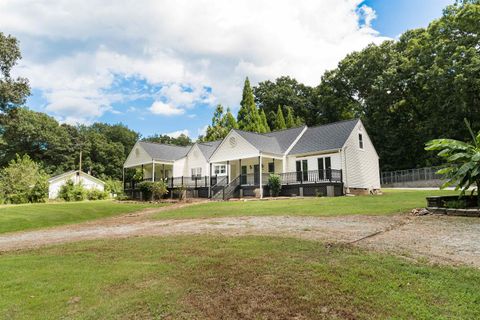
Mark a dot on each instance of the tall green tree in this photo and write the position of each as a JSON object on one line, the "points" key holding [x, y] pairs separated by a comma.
{"points": [[230, 121], [13, 91], [221, 125], [290, 120], [39, 136], [248, 117], [265, 127], [286, 91], [22, 181], [279, 123]]}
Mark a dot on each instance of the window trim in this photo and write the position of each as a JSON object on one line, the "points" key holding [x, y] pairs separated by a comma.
{"points": [[216, 166], [196, 172], [361, 142]]}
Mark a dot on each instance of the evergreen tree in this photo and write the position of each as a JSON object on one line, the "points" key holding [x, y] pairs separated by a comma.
{"points": [[265, 126], [299, 121], [290, 121], [248, 117], [280, 120], [229, 120], [221, 125]]}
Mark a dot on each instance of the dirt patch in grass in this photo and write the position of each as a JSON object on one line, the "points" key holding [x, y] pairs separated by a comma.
{"points": [[439, 239]]}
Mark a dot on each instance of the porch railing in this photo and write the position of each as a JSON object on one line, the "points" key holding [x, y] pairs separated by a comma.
{"points": [[311, 176], [250, 179]]}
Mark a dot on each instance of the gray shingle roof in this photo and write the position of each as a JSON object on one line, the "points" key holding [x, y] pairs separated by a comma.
{"points": [[327, 137], [286, 137], [262, 142], [208, 148], [165, 152]]}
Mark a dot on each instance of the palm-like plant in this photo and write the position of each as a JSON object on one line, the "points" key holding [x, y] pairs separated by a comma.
{"points": [[463, 161]]}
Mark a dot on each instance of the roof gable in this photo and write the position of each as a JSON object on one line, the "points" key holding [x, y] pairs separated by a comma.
{"points": [[208, 148], [326, 137], [72, 173]]}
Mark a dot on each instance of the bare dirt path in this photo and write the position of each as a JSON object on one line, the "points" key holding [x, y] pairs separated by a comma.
{"points": [[450, 240]]}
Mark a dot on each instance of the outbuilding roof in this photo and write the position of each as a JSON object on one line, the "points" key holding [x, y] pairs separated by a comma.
{"points": [[167, 152], [325, 137], [73, 172]]}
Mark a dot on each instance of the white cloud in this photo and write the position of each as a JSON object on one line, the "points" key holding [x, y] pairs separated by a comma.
{"points": [[73, 49], [368, 15], [176, 134], [203, 130], [166, 109]]}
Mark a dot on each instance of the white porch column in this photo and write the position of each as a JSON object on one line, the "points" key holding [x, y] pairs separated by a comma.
{"points": [[153, 171], [260, 169]]}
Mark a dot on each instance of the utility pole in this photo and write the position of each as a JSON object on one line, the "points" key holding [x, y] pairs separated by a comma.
{"points": [[80, 165]]}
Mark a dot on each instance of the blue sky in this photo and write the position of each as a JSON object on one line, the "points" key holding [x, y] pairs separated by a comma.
{"points": [[162, 67]]}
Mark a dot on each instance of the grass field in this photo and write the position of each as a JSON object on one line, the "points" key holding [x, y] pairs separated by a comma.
{"points": [[392, 201], [34, 216], [231, 278]]}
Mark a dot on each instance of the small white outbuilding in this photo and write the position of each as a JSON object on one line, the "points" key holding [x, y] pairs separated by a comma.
{"points": [[88, 181]]}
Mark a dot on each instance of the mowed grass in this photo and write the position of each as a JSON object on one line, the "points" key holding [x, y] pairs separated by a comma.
{"points": [[392, 201], [33, 216], [202, 277]]}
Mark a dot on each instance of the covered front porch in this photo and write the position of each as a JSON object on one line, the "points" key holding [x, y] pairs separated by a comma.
{"points": [[251, 171]]}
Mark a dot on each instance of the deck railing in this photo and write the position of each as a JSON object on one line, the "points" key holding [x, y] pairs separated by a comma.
{"points": [[250, 179]]}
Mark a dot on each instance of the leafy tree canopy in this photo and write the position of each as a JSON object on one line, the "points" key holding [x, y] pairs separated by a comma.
{"points": [[22, 181], [181, 140], [13, 91]]}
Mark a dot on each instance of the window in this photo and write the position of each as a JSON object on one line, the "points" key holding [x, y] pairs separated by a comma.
{"points": [[271, 167], [196, 172], [302, 170], [220, 169], [324, 168], [360, 141]]}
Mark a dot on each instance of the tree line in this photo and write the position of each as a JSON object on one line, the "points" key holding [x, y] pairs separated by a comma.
{"points": [[406, 92]]}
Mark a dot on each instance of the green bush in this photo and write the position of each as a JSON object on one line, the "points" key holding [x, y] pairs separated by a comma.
{"points": [[72, 192], [153, 190], [114, 187], [23, 181], [274, 184], [95, 194]]}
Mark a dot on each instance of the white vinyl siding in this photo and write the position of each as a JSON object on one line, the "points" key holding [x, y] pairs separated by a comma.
{"points": [[240, 150], [312, 161], [87, 182], [137, 157], [360, 166], [196, 172], [196, 159]]}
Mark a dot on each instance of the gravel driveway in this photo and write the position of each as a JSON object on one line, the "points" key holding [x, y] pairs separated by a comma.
{"points": [[440, 239]]}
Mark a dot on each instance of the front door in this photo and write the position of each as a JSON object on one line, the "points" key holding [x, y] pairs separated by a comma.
{"points": [[256, 174], [243, 177], [299, 171]]}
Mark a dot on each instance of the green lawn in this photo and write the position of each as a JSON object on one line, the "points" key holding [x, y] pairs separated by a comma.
{"points": [[392, 201], [231, 278], [33, 216]]}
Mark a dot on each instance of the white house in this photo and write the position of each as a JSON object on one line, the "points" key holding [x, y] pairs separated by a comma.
{"points": [[89, 182], [339, 153]]}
